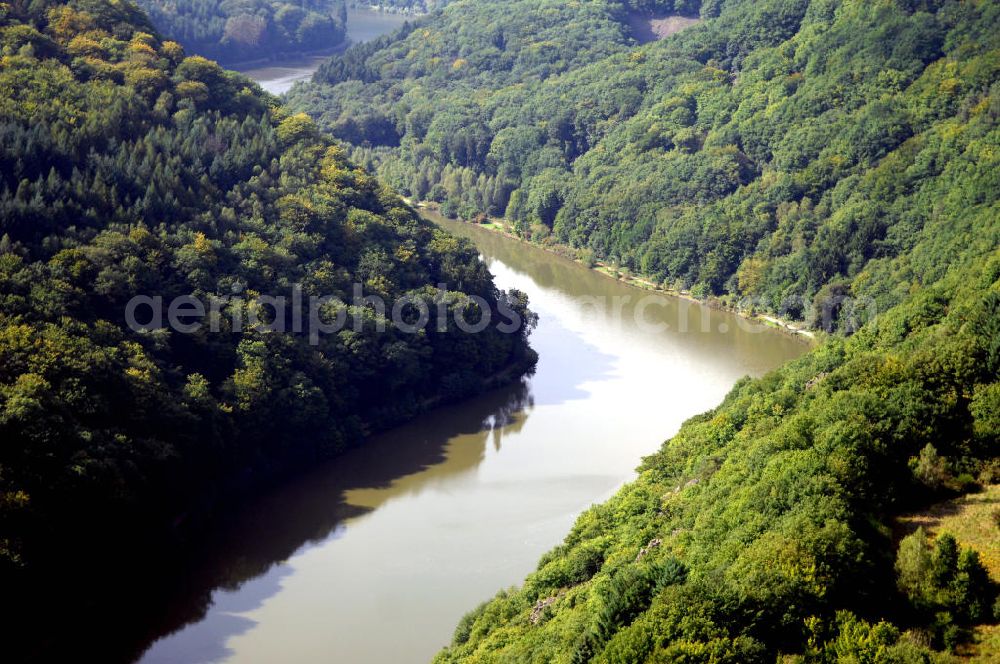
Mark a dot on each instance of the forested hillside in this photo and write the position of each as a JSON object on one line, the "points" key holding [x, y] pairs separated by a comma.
{"points": [[765, 527], [127, 168], [721, 160], [238, 30], [795, 152]]}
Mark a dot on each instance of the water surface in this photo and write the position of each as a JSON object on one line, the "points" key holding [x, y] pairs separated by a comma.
{"points": [[375, 556], [363, 25]]}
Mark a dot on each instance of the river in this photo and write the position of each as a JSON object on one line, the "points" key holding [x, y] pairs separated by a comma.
{"points": [[375, 556], [363, 24]]}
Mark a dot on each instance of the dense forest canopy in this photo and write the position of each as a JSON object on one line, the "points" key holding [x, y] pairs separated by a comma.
{"points": [[237, 30], [721, 160], [126, 168], [789, 151]]}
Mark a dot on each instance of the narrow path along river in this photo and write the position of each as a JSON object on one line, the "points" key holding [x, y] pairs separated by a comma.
{"points": [[374, 557]]}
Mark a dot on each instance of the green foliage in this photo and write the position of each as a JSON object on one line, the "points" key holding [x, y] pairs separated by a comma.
{"points": [[930, 468], [784, 151], [779, 502], [859, 641], [916, 568], [951, 588], [127, 169], [796, 151], [768, 502], [833, 160], [230, 31]]}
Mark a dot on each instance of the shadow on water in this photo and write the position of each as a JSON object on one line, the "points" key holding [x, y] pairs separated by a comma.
{"points": [[247, 553], [255, 550], [243, 564]]}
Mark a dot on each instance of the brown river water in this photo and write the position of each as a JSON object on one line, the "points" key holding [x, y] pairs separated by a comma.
{"points": [[374, 557]]}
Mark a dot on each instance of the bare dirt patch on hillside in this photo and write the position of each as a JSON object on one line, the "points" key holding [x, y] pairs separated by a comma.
{"points": [[646, 28]]}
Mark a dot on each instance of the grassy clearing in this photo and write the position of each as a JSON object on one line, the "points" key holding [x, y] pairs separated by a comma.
{"points": [[970, 518], [984, 648]]}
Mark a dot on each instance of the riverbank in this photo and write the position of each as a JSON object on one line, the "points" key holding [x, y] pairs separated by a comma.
{"points": [[364, 23], [277, 75], [476, 490], [642, 282], [284, 57], [150, 566]]}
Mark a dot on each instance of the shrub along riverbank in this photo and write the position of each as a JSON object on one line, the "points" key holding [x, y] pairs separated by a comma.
{"points": [[128, 168], [791, 151]]}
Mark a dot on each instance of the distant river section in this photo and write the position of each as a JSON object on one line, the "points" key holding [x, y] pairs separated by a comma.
{"points": [[363, 25]]}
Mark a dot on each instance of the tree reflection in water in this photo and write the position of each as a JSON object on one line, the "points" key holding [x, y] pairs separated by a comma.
{"points": [[252, 543]]}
